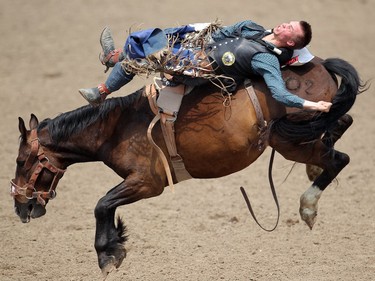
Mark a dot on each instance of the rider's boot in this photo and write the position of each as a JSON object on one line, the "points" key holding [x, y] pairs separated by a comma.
{"points": [[95, 96], [109, 56]]}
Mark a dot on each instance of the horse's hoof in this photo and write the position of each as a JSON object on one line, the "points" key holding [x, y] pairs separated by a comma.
{"points": [[121, 255], [108, 266], [308, 216], [108, 263], [309, 205]]}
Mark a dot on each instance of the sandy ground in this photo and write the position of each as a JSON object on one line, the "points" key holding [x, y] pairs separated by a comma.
{"points": [[202, 231]]}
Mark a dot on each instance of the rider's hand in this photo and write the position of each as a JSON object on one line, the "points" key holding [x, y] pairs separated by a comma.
{"points": [[319, 106]]}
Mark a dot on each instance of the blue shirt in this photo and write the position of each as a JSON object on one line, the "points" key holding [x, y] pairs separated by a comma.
{"points": [[265, 64]]}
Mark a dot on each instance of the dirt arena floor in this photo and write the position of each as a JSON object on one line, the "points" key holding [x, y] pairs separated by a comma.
{"points": [[202, 231]]}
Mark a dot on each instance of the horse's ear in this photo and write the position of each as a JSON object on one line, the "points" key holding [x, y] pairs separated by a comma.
{"points": [[22, 128], [33, 122]]}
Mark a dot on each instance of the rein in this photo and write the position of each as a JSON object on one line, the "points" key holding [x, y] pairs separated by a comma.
{"points": [[273, 194], [29, 190], [263, 136]]}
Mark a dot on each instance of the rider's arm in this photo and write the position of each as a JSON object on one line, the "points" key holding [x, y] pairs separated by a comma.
{"points": [[268, 66], [231, 30]]}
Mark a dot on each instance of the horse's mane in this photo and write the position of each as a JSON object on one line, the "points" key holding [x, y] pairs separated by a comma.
{"points": [[66, 124]]}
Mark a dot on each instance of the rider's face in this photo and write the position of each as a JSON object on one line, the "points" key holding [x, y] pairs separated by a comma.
{"points": [[288, 32]]}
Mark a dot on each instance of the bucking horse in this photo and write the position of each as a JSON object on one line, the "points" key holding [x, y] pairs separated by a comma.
{"points": [[214, 137]]}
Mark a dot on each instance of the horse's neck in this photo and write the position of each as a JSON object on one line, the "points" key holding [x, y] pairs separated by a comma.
{"points": [[84, 144]]}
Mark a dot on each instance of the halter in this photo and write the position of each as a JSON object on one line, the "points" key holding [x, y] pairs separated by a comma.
{"points": [[43, 163]]}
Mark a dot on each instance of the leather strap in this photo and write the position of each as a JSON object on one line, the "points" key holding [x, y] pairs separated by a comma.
{"points": [[273, 194], [159, 151], [151, 94], [103, 90], [167, 126], [29, 190], [113, 55], [262, 124]]}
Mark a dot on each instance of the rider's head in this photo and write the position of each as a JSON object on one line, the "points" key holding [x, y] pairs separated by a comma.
{"points": [[294, 35]]}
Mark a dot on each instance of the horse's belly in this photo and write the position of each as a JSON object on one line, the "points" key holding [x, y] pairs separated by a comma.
{"points": [[215, 140]]}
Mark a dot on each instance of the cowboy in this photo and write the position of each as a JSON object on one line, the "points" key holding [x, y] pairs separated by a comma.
{"points": [[237, 52]]}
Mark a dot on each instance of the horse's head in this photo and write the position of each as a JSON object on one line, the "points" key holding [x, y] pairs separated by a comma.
{"points": [[36, 177]]}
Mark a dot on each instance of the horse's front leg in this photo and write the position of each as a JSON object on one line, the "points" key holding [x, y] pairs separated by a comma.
{"points": [[110, 238]]}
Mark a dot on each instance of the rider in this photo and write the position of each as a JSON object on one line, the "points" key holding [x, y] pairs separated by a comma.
{"points": [[239, 51]]}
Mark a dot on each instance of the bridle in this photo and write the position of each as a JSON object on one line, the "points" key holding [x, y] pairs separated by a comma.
{"points": [[28, 190]]}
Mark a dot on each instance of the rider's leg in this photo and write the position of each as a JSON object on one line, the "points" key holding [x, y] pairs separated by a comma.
{"points": [[116, 79], [109, 56]]}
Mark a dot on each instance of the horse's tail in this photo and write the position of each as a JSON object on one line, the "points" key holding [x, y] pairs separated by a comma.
{"points": [[308, 130], [350, 86]]}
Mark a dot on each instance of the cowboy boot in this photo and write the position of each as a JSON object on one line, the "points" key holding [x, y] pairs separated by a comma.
{"points": [[95, 96], [109, 56]]}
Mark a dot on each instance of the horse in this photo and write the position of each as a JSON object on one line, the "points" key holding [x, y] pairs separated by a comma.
{"points": [[216, 135]]}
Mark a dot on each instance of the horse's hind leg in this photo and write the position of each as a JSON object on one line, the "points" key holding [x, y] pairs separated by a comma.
{"points": [[315, 153], [334, 163], [109, 238], [329, 139]]}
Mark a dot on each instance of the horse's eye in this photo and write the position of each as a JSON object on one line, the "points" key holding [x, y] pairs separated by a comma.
{"points": [[20, 163]]}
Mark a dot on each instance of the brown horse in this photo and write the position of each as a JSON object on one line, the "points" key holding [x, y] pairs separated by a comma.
{"points": [[213, 139]]}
